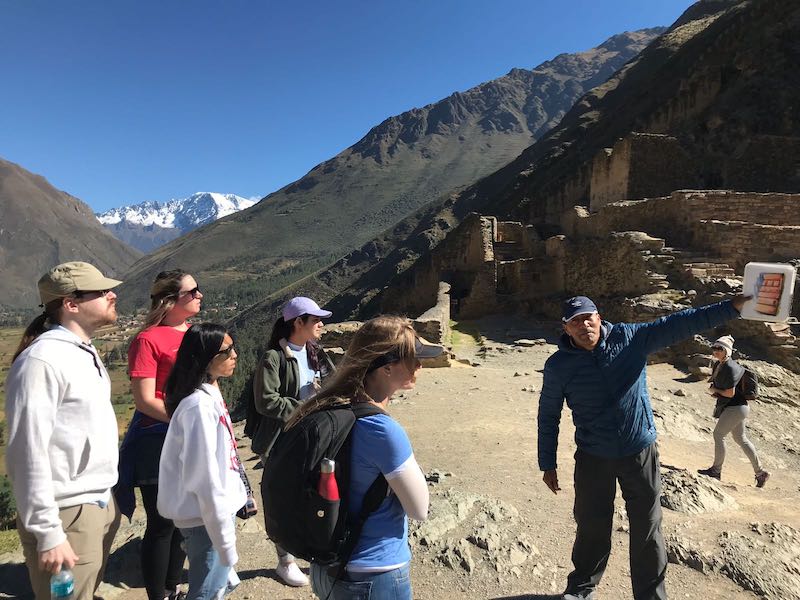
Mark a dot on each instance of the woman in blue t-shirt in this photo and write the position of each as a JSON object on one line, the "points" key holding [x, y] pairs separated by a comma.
{"points": [[382, 358]]}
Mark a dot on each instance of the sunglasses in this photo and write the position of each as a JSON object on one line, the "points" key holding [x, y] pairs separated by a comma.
{"points": [[227, 351], [194, 292], [717, 348], [88, 294]]}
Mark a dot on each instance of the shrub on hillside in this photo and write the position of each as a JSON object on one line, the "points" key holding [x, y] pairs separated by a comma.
{"points": [[8, 508]]}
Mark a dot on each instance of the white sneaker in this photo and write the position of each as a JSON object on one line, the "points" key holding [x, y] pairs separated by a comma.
{"points": [[291, 574]]}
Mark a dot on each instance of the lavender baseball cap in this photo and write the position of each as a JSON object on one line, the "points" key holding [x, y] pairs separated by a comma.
{"points": [[301, 305]]}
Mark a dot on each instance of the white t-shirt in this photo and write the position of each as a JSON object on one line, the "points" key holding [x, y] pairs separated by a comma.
{"points": [[307, 374]]}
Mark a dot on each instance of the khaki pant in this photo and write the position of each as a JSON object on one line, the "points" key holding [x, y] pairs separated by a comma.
{"points": [[90, 531]]}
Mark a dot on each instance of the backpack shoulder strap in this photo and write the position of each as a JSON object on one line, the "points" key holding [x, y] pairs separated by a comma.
{"points": [[366, 409], [374, 496]]}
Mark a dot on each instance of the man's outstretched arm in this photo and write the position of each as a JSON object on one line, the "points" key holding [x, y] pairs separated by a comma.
{"points": [[685, 323]]}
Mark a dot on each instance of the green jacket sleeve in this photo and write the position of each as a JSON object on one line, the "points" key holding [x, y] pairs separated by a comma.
{"points": [[270, 402]]}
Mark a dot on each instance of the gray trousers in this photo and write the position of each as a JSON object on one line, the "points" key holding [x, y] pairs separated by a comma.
{"points": [[595, 488], [732, 421]]}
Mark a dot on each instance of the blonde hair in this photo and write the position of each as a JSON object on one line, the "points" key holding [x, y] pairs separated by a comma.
{"points": [[163, 296], [374, 339]]}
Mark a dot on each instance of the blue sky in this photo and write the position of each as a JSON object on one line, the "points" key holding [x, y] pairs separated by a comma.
{"points": [[117, 102]]}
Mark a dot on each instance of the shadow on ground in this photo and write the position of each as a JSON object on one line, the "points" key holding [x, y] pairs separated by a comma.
{"points": [[14, 582], [530, 597], [267, 573]]}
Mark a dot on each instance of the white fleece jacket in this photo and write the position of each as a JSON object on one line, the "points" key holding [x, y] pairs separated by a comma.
{"points": [[198, 479], [62, 432]]}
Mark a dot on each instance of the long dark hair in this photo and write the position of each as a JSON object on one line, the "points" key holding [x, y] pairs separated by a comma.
{"points": [[50, 316], [282, 330], [201, 343]]}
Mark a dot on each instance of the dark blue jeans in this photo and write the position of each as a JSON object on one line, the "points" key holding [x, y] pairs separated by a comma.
{"points": [[639, 479], [390, 585]]}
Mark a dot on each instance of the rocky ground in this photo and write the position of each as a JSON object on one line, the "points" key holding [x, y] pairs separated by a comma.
{"points": [[495, 531]]}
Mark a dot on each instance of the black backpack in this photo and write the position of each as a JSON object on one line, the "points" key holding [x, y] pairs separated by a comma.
{"points": [[296, 517], [748, 385]]}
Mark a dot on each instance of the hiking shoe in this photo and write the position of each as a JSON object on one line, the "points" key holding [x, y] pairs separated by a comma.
{"points": [[178, 594], [588, 596], [291, 574], [712, 472], [761, 478]]}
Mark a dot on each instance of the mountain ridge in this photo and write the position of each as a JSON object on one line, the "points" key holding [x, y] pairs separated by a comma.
{"points": [[42, 227], [150, 224], [401, 164]]}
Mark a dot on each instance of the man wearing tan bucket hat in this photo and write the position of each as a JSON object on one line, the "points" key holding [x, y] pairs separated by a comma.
{"points": [[62, 432]]}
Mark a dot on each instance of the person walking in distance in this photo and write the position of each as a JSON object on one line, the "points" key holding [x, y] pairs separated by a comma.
{"points": [[599, 369], [174, 298], [62, 432], [725, 377], [290, 371]]}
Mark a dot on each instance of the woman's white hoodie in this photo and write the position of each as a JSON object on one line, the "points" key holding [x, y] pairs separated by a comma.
{"points": [[198, 480]]}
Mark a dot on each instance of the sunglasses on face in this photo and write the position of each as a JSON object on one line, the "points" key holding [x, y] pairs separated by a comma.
{"points": [[227, 351], [92, 294], [194, 292], [720, 348]]}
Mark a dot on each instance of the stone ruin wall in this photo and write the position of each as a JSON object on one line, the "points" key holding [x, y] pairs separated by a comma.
{"points": [[738, 243], [610, 170], [640, 165], [464, 259], [644, 165], [546, 206], [598, 267], [756, 226], [679, 217]]}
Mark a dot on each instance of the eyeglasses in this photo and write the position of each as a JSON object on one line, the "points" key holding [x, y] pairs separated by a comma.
{"points": [[86, 294], [194, 292], [227, 351]]}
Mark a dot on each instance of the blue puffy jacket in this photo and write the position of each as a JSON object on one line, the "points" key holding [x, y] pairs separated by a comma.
{"points": [[606, 388]]}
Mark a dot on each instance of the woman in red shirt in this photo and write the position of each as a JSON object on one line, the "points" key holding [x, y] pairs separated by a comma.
{"points": [[175, 297]]}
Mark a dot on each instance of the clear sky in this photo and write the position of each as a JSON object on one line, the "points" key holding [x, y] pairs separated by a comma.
{"points": [[121, 101]]}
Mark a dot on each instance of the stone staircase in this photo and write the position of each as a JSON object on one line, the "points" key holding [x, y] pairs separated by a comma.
{"points": [[680, 269]]}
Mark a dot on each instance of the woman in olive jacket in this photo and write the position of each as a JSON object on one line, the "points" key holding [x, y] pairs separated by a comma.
{"points": [[289, 373]]}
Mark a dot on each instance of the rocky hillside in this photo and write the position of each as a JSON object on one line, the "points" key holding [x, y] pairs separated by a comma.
{"points": [[495, 531], [728, 106], [400, 165], [729, 109], [148, 225], [41, 227]]}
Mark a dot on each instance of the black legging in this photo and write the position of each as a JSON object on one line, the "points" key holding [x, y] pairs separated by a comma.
{"points": [[162, 555]]}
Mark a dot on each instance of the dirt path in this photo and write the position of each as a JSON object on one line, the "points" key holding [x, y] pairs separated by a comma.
{"points": [[495, 530]]}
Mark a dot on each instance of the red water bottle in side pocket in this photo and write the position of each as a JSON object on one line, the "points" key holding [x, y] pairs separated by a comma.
{"points": [[328, 488]]}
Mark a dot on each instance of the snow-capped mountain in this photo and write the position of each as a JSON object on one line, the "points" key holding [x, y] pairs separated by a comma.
{"points": [[148, 225]]}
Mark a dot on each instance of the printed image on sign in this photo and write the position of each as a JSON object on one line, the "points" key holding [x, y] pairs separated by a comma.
{"points": [[769, 289]]}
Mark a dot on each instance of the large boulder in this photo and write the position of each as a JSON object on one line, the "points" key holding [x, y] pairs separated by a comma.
{"points": [[688, 493]]}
